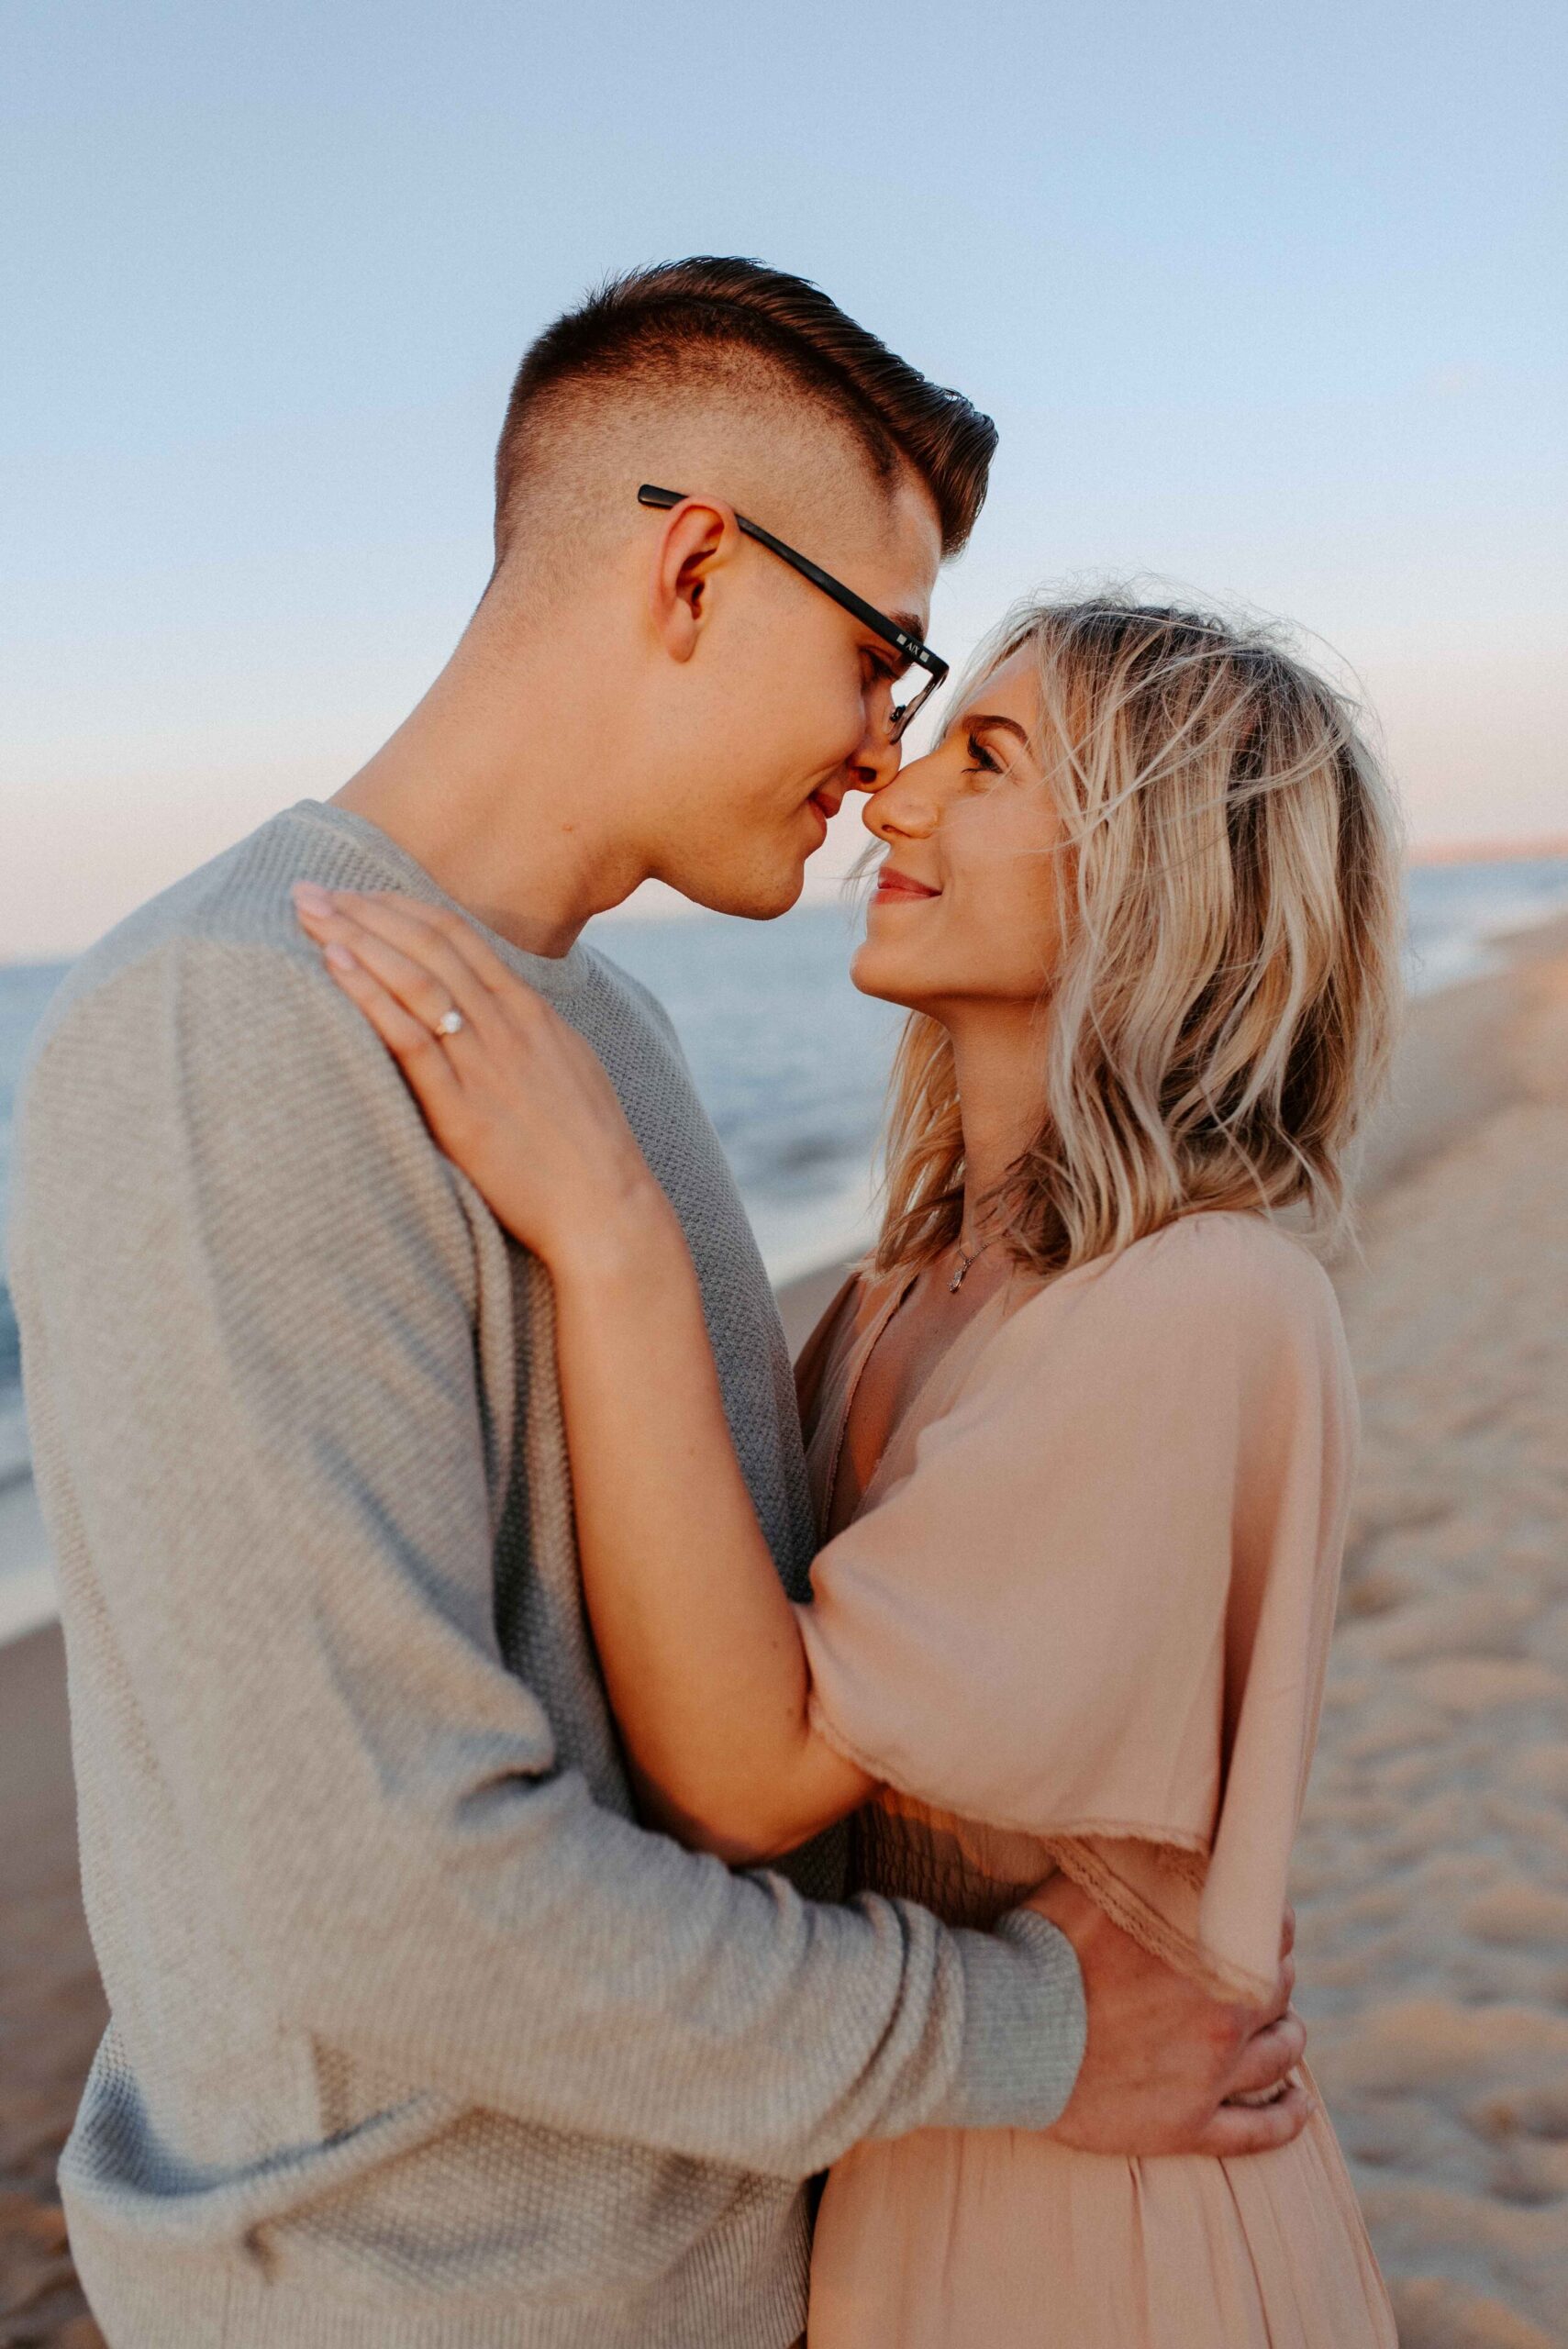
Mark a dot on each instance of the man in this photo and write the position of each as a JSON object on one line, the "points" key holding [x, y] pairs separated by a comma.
{"points": [[417, 2038]]}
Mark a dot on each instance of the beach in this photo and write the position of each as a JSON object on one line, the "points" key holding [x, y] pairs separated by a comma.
{"points": [[1431, 1874], [1431, 1878]]}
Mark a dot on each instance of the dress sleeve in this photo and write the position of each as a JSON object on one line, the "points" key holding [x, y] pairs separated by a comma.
{"points": [[1106, 1579]]}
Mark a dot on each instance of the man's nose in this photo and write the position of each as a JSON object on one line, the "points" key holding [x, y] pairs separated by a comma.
{"points": [[875, 762]]}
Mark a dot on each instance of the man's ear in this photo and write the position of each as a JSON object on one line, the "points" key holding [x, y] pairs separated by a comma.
{"points": [[699, 538]]}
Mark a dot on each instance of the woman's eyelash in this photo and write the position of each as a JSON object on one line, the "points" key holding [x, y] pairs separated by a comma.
{"points": [[985, 759]]}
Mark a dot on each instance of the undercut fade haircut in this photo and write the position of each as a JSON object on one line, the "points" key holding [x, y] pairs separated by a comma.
{"points": [[667, 327]]}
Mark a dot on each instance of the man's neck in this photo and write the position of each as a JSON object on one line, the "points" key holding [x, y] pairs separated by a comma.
{"points": [[480, 787]]}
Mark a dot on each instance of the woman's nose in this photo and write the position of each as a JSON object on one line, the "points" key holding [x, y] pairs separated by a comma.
{"points": [[908, 807]]}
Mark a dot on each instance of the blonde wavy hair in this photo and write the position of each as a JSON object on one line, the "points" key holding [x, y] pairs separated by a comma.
{"points": [[1224, 1002]]}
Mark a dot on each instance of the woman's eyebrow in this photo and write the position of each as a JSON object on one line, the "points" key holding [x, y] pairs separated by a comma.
{"points": [[985, 717]]}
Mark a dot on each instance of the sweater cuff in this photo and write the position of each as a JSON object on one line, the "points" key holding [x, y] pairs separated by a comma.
{"points": [[1025, 2024]]}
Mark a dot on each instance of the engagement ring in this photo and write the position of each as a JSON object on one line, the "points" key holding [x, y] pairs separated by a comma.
{"points": [[450, 1023]]}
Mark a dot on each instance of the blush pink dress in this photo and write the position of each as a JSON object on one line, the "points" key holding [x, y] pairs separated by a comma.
{"points": [[1078, 1620]]}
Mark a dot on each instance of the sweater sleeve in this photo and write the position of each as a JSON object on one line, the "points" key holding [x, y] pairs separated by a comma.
{"points": [[250, 1289]]}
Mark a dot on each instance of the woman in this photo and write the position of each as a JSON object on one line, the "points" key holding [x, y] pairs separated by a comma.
{"points": [[1080, 1434]]}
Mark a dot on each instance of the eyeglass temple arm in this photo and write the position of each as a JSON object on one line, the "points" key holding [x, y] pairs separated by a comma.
{"points": [[867, 614]]}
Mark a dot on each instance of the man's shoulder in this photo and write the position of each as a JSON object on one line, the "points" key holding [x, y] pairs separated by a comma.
{"points": [[239, 901], [636, 1000], [202, 1039], [211, 984]]}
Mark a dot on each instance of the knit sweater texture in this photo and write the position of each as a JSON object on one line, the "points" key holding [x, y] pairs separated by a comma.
{"points": [[417, 2038]]}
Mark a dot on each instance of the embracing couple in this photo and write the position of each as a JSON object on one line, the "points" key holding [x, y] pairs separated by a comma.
{"points": [[545, 1798]]}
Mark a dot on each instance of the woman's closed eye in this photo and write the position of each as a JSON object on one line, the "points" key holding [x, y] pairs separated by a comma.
{"points": [[983, 759]]}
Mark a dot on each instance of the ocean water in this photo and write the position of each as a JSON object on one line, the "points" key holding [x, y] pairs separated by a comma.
{"points": [[792, 1062]]}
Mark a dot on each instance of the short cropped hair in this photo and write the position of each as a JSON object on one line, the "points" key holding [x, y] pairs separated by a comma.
{"points": [[664, 327]]}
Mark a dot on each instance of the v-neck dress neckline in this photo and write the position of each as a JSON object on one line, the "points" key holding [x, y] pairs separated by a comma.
{"points": [[845, 1367]]}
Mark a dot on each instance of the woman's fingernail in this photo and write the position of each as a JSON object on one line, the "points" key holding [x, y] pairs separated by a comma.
{"points": [[339, 957], [311, 899]]}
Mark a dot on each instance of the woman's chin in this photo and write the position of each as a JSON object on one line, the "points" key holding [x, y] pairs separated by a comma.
{"points": [[874, 972]]}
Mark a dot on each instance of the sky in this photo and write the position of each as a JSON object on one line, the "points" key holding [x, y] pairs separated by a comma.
{"points": [[1266, 301]]}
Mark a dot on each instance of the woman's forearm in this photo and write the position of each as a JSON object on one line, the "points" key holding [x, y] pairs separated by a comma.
{"points": [[700, 1646], [698, 1643]]}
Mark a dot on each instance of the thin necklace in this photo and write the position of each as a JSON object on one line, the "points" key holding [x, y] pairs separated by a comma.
{"points": [[966, 1257]]}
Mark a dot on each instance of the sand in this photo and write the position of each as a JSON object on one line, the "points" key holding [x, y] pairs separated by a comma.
{"points": [[1432, 1870], [1431, 1876]]}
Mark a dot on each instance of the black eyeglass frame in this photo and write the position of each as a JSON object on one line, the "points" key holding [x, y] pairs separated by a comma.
{"points": [[919, 655]]}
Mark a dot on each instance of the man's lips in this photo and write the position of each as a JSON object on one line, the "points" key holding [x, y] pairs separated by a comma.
{"points": [[825, 804], [902, 885]]}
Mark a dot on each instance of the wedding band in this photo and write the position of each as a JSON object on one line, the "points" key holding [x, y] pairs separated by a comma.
{"points": [[450, 1023]]}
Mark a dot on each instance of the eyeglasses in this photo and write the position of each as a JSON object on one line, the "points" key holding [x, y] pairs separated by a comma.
{"points": [[912, 653]]}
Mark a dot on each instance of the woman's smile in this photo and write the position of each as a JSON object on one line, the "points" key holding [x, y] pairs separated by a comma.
{"points": [[893, 886]]}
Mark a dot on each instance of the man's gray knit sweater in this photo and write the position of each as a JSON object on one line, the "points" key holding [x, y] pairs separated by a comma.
{"points": [[417, 2038]]}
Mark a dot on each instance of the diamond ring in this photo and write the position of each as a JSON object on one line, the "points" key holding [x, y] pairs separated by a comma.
{"points": [[450, 1023]]}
